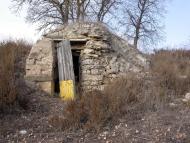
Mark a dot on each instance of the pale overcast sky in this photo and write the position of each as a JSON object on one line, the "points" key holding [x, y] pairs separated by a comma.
{"points": [[13, 25], [177, 24]]}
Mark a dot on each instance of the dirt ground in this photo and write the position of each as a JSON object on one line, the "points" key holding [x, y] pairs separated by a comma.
{"points": [[170, 125]]}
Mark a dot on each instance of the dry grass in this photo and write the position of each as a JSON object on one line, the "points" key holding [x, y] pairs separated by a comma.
{"points": [[95, 110], [7, 85], [172, 69], [11, 56], [89, 112]]}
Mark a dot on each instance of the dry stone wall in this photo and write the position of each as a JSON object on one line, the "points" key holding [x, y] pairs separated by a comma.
{"points": [[104, 57], [100, 64], [39, 63]]}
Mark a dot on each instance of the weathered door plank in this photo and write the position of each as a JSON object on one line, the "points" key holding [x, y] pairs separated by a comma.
{"points": [[66, 71]]}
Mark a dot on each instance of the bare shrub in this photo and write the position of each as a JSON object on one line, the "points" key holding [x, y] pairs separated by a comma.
{"points": [[97, 109], [89, 112], [7, 85], [172, 69], [11, 54]]}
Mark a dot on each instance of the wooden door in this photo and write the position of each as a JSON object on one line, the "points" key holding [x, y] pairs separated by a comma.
{"points": [[65, 68]]}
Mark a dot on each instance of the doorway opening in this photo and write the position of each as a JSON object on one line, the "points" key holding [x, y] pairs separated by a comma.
{"points": [[76, 46], [56, 73], [76, 65]]}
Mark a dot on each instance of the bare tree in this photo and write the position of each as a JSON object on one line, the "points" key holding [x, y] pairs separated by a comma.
{"points": [[82, 6], [78, 10], [142, 20], [47, 13], [50, 13], [100, 8]]}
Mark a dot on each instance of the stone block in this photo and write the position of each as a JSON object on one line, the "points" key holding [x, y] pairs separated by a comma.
{"points": [[95, 71], [91, 77], [100, 87], [46, 86], [88, 51], [87, 62]]}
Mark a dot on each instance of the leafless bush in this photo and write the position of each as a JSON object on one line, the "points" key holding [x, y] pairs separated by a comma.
{"points": [[11, 54], [172, 69], [95, 110], [7, 85], [90, 111]]}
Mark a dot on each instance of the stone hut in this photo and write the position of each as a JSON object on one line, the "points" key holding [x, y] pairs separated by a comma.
{"points": [[98, 57]]}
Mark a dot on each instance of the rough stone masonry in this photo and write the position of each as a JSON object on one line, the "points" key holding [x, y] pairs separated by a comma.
{"points": [[103, 57]]}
